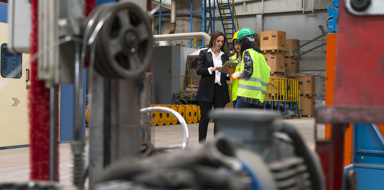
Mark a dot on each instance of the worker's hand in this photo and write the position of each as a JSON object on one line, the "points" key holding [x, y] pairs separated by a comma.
{"points": [[230, 70], [236, 75], [218, 68]]}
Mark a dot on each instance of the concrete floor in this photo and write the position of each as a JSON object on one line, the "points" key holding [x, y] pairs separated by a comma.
{"points": [[14, 165]]}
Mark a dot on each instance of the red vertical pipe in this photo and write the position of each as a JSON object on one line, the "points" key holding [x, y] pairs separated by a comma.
{"points": [[337, 157], [38, 111]]}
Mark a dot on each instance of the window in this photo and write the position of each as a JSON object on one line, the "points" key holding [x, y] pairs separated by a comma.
{"points": [[10, 63]]}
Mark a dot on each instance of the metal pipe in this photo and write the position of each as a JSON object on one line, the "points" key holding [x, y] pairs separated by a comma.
{"points": [[214, 16], [191, 21], [160, 19], [183, 36], [274, 12], [53, 134], [310, 50], [181, 120], [172, 29], [310, 41], [79, 91], [204, 18], [312, 7], [303, 6], [262, 5]]}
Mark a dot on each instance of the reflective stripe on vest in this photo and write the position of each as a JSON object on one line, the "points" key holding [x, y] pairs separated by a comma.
{"points": [[256, 88], [253, 79]]}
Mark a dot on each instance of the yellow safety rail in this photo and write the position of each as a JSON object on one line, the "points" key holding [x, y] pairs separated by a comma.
{"points": [[283, 89], [182, 82]]}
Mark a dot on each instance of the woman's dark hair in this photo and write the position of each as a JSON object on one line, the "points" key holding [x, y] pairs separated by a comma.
{"points": [[246, 44], [214, 36], [233, 45]]}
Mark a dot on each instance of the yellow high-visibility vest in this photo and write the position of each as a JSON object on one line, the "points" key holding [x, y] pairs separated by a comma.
{"points": [[236, 82], [255, 86]]}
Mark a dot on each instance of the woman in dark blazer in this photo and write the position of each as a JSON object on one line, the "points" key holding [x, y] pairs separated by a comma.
{"points": [[213, 88]]}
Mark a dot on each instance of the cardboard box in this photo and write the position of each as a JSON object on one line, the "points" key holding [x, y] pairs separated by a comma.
{"points": [[290, 44], [272, 40], [306, 84], [257, 40], [292, 66], [307, 105], [275, 62]]}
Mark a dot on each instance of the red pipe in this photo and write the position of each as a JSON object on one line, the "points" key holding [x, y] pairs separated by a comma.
{"points": [[38, 112]]}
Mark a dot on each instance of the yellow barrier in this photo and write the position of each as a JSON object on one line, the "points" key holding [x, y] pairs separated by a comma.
{"points": [[191, 114], [283, 89], [194, 113], [173, 118], [167, 116]]}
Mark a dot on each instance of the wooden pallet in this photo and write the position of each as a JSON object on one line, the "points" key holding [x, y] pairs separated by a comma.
{"points": [[275, 72], [273, 51], [308, 95], [307, 115], [294, 57]]}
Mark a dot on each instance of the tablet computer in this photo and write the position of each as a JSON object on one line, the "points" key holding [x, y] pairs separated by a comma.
{"points": [[228, 64]]}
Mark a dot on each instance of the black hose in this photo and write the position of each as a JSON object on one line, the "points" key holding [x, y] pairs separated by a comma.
{"points": [[303, 151]]}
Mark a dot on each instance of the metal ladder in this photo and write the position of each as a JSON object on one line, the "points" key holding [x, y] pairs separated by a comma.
{"points": [[228, 19]]}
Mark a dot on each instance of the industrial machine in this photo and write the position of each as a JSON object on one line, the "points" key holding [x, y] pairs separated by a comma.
{"points": [[356, 98], [255, 150]]}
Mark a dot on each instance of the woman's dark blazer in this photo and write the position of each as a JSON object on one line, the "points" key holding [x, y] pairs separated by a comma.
{"points": [[207, 81]]}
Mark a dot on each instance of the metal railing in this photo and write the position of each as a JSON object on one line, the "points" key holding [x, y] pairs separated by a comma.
{"points": [[283, 90]]}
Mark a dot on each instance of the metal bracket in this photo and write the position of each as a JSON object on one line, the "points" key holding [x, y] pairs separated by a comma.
{"points": [[365, 7]]}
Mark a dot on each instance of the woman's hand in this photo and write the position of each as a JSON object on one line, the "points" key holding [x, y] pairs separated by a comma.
{"points": [[230, 70], [217, 68]]}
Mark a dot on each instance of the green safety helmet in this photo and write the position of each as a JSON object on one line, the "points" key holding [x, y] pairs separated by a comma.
{"points": [[245, 32]]}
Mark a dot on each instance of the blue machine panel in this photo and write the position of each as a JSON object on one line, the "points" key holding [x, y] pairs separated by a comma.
{"points": [[3, 12], [369, 148], [368, 157], [369, 177], [10, 63]]}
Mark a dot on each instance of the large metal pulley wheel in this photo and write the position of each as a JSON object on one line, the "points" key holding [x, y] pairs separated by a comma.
{"points": [[124, 44]]}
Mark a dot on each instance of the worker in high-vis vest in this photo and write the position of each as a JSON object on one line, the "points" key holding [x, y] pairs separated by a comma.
{"points": [[235, 58], [253, 76]]}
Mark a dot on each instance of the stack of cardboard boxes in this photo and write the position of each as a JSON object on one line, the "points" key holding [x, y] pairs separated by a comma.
{"points": [[292, 64], [272, 44], [307, 95], [279, 56]]}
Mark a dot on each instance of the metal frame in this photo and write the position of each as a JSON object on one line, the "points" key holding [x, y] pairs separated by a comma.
{"points": [[191, 18], [181, 120]]}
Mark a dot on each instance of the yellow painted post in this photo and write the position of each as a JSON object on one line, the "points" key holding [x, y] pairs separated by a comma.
{"points": [[182, 85], [191, 82], [195, 43]]}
